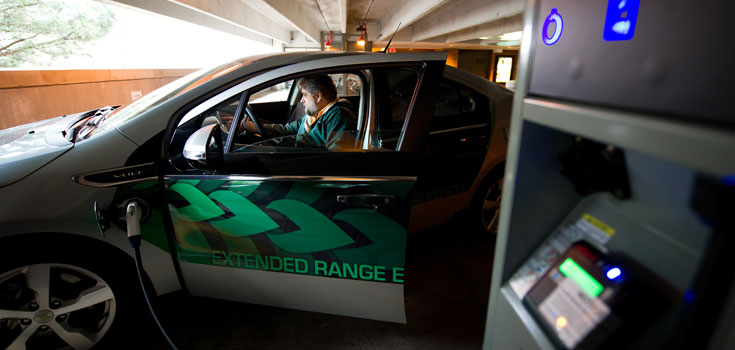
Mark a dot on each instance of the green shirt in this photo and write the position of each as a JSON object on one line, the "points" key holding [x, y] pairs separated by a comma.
{"points": [[335, 129]]}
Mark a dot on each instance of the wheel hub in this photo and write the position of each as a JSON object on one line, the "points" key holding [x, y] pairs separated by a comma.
{"points": [[43, 316], [44, 323]]}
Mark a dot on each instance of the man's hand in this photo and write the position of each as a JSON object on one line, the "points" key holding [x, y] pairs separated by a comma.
{"points": [[250, 126]]}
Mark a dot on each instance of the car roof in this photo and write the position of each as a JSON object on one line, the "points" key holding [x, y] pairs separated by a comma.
{"points": [[254, 65], [304, 56], [283, 58]]}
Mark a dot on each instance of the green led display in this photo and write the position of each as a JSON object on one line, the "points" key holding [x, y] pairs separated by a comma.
{"points": [[585, 281]]}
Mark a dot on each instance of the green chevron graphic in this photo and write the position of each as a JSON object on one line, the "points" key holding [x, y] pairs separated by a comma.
{"points": [[190, 182], [234, 223], [201, 207], [317, 233], [305, 192], [388, 236], [191, 244], [248, 219], [243, 188]]}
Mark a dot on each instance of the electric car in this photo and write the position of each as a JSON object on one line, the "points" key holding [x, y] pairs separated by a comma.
{"points": [[231, 215]]}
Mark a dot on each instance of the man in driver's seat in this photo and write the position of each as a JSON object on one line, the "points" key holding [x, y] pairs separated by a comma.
{"points": [[328, 123]]}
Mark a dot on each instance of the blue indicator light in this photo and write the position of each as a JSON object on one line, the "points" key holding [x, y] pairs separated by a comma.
{"points": [[553, 18], [729, 180], [620, 20], [689, 297], [613, 273]]}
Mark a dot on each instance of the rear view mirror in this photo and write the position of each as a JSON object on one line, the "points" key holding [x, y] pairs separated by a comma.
{"points": [[203, 148]]}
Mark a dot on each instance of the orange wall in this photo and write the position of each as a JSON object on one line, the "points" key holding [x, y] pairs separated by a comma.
{"points": [[27, 96], [453, 58]]}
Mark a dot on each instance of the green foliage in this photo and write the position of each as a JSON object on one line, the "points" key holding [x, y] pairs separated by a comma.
{"points": [[36, 31]]}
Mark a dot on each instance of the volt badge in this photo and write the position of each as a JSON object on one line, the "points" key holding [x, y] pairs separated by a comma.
{"points": [[620, 20], [553, 25]]}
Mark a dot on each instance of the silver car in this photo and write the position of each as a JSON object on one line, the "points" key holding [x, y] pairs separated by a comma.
{"points": [[231, 215]]}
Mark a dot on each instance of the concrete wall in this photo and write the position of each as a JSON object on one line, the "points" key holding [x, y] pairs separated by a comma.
{"points": [[27, 96]]}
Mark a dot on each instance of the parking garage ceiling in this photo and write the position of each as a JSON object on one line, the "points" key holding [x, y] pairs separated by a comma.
{"points": [[437, 24]]}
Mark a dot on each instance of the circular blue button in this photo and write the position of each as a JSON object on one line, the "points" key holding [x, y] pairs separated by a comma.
{"points": [[553, 17]]}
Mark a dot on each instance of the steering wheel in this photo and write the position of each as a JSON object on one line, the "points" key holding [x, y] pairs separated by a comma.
{"points": [[250, 114], [221, 124]]}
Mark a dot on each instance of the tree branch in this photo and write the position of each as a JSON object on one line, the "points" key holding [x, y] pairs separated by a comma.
{"points": [[35, 29], [5, 9], [16, 42], [39, 46]]}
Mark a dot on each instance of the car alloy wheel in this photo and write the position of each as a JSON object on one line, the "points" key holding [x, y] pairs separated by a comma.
{"points": [[54, 306], [490, 210]]}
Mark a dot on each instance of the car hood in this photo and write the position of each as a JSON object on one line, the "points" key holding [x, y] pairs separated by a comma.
{"points": [[26, 148]]}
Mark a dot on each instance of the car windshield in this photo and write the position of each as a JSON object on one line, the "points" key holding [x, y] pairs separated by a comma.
{"points": [[162, 94]]}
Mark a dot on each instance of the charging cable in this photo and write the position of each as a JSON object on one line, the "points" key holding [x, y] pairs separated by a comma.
{"points": [[132, 218]]}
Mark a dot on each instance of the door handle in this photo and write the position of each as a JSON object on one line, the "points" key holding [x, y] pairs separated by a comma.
{"points": [[367, 200]]}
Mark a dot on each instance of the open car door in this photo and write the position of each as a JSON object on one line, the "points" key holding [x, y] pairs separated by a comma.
{"points": [[273, 223]]}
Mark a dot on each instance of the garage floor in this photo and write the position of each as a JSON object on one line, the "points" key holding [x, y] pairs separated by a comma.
{"points": [[448, 278]]}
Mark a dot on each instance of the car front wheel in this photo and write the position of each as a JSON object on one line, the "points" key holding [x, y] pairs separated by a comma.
{"points": [[62, 303]]}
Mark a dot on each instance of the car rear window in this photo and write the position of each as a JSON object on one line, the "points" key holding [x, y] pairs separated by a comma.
{"points": [[459, 106]]}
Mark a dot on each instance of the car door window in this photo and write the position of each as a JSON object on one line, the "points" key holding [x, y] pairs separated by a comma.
{"points": [[459, 139], [378, 98], [459, 106], [474, 106], [446, 112], [222, 114], [271, 123], [274, 93], [395, 90]]}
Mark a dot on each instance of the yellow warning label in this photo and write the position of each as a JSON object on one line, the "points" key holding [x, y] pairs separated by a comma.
{"points": [[599, 224]]}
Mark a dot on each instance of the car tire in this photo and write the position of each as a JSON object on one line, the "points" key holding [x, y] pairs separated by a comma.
{"points": [[485, 207], [68, 298]]}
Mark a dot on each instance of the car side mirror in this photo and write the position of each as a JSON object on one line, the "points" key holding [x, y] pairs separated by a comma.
{"points": [[204, 148]]}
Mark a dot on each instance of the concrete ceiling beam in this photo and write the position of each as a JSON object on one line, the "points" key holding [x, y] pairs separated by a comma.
{"points": [[463, 15], [406, 12], [197, 16], [242, 13], [343, 15], [293, 12], [490, 29]]}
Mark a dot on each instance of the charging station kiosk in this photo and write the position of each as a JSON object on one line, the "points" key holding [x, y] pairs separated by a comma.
{"points": [[617, 224]]}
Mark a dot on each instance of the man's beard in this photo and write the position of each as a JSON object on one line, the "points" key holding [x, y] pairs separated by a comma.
{"points": [[311, 111]]}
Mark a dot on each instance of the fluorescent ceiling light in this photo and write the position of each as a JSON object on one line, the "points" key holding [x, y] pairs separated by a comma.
{"points": [[512, 36], [509, 43]]}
